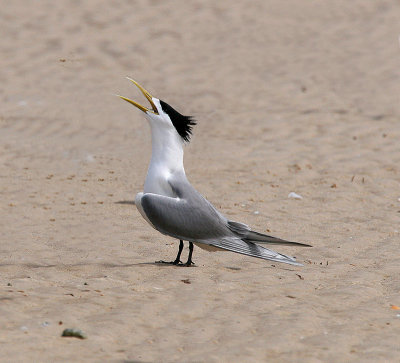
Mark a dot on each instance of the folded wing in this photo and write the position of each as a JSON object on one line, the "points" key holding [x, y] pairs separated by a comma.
{"points": [[181, 219]]}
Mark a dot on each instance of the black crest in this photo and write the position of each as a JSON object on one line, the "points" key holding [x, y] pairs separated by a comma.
{"points": [[183, 124]]}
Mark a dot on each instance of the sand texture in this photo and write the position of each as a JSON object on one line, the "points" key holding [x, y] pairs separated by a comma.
{"points": [[290, 96]]}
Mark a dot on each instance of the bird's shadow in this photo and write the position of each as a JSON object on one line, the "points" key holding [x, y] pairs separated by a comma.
{"points": [[128, 202], [155, 263]]}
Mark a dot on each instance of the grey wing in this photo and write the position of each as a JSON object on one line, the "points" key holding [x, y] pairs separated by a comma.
{"points": [[183, 219]]}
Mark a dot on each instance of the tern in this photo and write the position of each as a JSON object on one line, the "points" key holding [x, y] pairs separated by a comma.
{"points": [[171, 205]]}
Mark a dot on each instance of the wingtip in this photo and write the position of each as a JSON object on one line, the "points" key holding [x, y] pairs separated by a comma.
{"points": [[291, 261], [298, 264]]}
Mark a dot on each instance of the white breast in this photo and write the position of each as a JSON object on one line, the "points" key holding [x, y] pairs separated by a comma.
{"points": [[157, 181]]}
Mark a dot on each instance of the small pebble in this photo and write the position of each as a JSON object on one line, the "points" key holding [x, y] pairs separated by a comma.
{"points": [[294, 195], [76, 333], [90, 158]]}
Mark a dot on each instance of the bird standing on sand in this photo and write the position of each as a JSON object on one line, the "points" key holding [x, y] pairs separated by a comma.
{"points": [[173, 207]]}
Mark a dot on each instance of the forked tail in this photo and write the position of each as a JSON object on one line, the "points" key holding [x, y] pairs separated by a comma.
{"points": [[245, 233], [238, 245]]}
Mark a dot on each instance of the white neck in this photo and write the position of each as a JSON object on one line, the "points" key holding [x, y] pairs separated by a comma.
{"points": [[166, 159]]}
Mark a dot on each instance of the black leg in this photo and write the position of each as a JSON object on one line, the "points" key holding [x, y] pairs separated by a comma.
{"points": [[189, 261], [178, 257]]}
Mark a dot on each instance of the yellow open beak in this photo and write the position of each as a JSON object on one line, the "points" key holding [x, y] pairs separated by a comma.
{"points": [[146, 94]]}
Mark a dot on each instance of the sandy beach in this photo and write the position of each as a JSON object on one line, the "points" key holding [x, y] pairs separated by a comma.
{"points": [[294, 96]]}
